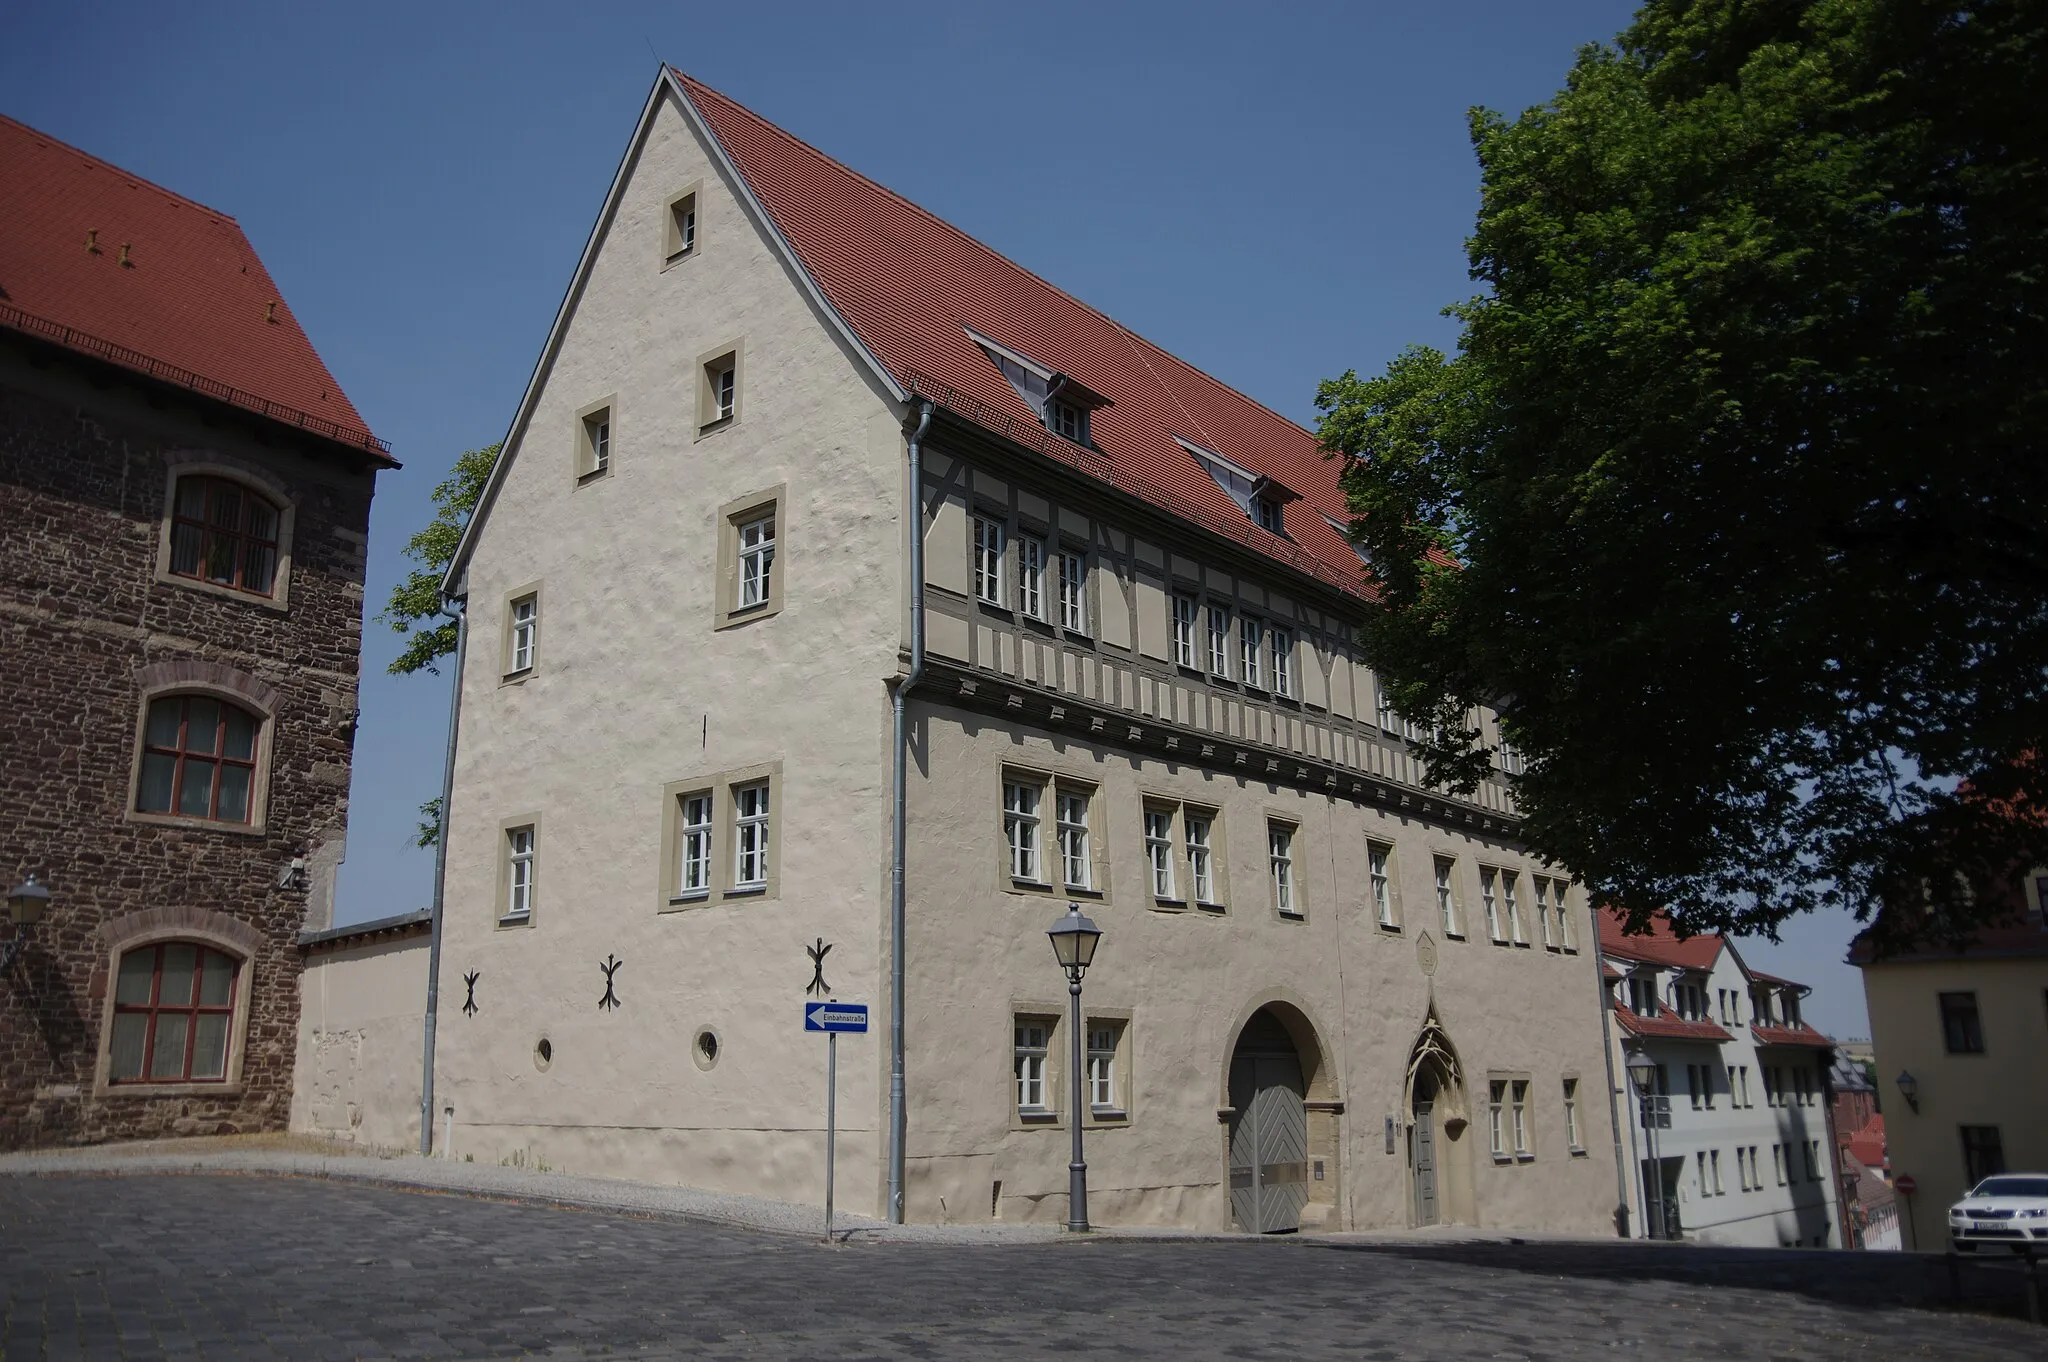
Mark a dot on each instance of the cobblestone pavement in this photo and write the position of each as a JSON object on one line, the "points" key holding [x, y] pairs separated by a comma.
{"points": [[204, 1267]]}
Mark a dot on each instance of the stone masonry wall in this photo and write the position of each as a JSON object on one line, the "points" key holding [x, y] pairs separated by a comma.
{"points": [[84, 624]]}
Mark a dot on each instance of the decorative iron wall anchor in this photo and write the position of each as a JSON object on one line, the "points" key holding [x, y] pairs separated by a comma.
{"points": [[469, 1003], [610, 966], [818, 986]]}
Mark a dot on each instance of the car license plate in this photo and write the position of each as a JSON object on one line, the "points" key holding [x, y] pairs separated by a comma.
{"points": [[1987, 1225]]}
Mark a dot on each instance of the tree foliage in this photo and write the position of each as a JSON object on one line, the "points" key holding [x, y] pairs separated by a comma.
{"points": [[414, 609], [1732, 499]]}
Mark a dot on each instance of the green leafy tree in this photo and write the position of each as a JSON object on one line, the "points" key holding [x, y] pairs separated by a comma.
{"points": [[414, 609], [1732, 499]]}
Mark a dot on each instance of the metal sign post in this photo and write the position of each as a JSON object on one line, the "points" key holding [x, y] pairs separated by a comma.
{"points": [[832, 1018]]}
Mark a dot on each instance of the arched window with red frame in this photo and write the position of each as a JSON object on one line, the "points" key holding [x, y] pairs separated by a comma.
{"points": [[174, 1012], [198, 759], [223, 533]]}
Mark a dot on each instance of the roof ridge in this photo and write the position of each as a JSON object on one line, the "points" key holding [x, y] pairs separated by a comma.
{"points": [[698, 88], [122, 171]]}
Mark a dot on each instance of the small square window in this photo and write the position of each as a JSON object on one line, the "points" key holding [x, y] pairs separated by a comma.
{"points": [[750, 561], [1030, 1047], [693, 846], [1219, 641], [988, 561], [1074, 592], [1105, 1090], [1021, 829], [1031, 576], [522, 633], [718, 392], [1076, 854], [1159, 853], [1185, 609], [1962, 1029], [1280, 863], [1269, 514], [1379, 857], [1067, 420], [1446, 897], [750, 836], [679, 227], [522, 844], [595, 427], [1198, 830]]}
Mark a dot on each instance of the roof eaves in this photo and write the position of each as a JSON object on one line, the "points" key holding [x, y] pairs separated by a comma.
{"points": [[72, 339]]}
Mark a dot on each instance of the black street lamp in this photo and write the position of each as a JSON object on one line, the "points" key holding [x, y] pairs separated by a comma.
{"points": [[1073, 941], [1642, 1071], [1909, 1088]]}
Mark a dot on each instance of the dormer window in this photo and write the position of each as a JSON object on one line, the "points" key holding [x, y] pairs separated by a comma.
{"points": [[1257, 496], [1642, 994], [1061, 404]]}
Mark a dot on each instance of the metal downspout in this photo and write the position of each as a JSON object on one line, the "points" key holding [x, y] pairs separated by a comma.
{"points": [[1621, 1225], [461, 614], [898, 817]]}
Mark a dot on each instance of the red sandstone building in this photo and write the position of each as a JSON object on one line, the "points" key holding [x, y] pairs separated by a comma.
{"points": [[184, 510]]}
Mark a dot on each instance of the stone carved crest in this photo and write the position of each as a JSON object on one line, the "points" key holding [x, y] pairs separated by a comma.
{"points": [[1425, 954]]}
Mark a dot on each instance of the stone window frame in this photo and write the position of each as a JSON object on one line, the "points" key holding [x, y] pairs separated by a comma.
{"points": [[1296, 881], [1459, 926], [508, 675], [500, 918], [720, 785], [1572, 1094], [1124, 1112], [1501, 1112], [675, 249], [583, 465], [180, 464], [1050, 779], [166, 680], [1052, 1115], [726, 611], [1395, 918], [709, 364], [154, 927]]}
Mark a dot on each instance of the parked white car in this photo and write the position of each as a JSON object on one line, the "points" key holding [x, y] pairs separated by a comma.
{"points": [[2009, 1209]]}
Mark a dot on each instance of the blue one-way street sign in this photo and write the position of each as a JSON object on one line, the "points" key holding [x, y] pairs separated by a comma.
{"points": [[836, 1017]]}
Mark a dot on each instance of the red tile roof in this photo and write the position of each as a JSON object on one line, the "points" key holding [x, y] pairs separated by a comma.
{"points": [[1801, 1034], [173, 290], [1867, 1144], [1659, 946], [910, 287], [1669, 1025]]}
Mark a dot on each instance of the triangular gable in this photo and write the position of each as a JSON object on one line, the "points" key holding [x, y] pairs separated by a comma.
{"points": [[669, 83]]}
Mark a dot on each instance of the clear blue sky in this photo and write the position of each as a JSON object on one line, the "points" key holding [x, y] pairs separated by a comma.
{"points": [[1276, 193]]}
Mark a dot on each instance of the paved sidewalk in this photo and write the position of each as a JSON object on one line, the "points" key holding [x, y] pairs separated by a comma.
{"points": [[302, 1157]]}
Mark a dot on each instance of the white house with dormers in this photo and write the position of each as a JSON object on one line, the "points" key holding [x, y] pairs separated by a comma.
{"points": [[846, 602], [1736, 1131]]}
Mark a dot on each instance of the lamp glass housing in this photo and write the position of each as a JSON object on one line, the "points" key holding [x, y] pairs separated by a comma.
{"points": [[1642, 1071], [1909, 1086], [1073, 939], [27, 900]]}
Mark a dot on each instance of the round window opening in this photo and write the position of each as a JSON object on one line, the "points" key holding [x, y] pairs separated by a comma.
{"points": [[543, 1054], [705, 1049]]}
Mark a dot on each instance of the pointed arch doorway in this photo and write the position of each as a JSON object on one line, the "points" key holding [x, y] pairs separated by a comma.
{"points": [[1439, 1150]]}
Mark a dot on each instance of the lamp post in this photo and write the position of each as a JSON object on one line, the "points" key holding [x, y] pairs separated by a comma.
{"points": [[1073, 941], [1642, 1071]]}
